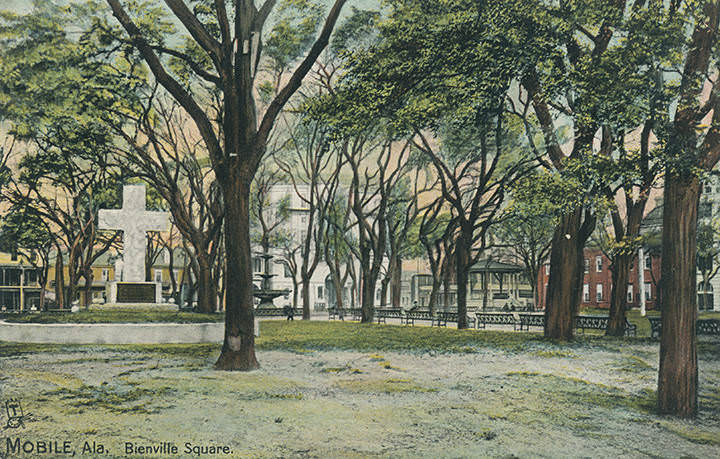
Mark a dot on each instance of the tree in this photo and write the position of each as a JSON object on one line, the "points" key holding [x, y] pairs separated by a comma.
{"points": [[439, 67], [338, 241], [157, 148], [375, 172], [708, 250], [52, 96], [23, 232], [690, 146], [224, 56], [403, 212], [526, 230], [474, 173], [313, 164], [434, 232]]}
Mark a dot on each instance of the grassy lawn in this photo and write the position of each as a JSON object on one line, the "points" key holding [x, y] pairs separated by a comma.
{"points": [[332, 389]]}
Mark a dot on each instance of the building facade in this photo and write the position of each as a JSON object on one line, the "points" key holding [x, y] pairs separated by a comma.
{"points": [[597, 282], [19, 287]]}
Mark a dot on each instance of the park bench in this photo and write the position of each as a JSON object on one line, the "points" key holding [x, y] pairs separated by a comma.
{"points": [[383, 314], [708, 327], [443, 317], [531, 319], [356, 313], [335, 313], [702, 326], [601, 323], [655, 326], [412, 316], [275, 312], [482, 319]]}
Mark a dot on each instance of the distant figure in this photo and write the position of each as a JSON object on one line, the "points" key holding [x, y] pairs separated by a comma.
{"points": [[288, 311], [414, 306]]}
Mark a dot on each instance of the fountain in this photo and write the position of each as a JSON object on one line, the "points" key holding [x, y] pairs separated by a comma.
{"points": [[266, 292]]}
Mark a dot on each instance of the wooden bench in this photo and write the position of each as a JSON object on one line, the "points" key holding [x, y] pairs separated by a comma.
{"points": [[702, 326]]}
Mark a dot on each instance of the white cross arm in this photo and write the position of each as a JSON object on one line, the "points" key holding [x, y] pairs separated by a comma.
{"points": [[156, 221], [111, 219]]}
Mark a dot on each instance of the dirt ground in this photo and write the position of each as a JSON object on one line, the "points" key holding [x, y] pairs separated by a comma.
{"points": [[539, 402]]}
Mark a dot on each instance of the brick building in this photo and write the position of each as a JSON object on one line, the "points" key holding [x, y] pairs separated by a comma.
{"points": [[597, 282]]}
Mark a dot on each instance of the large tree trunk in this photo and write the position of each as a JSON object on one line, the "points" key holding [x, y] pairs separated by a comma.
{"points": [[678, 374], [207, 287], [338, 294], [367, 284], [367, 297], [396, 283], [72, 286], [618, 296], [60, 281], [565, 282], [462, 260], [171, 271], [446, 284], [384, 290], [238, 350], [87, 291], [533, 285], [295, 292], [306, 298], [434, 293]]}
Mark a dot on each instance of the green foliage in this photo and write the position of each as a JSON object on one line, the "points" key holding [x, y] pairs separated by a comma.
{"points": [[24, 229], [292, 32], [357, 32]]}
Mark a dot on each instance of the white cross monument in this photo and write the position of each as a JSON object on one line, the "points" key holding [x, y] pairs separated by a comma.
{"points": [[134, 220]]}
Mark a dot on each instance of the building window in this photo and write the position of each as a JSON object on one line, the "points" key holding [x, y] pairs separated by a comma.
{"points": [[648, 262], [705, 296], [587, 266], [598, 264], [288, 273], [648, 291], [257, 264], [586, 293], [30, 277], [599, 292], [303, 219], [629, 293], [158, 275], [104, 275], [320, 292]]}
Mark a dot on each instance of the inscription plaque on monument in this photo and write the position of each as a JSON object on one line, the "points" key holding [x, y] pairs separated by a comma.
{"points": [[135, 293]]}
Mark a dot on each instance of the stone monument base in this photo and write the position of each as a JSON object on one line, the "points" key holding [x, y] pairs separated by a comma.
{"points": [[133, 292]]}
